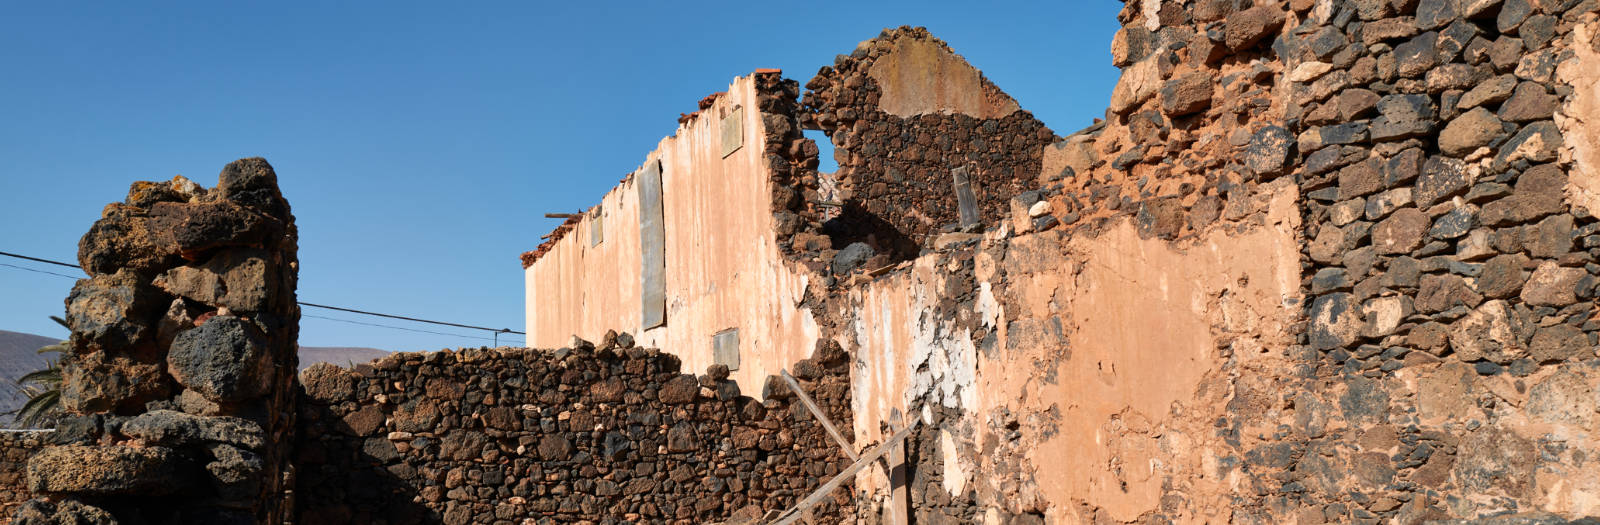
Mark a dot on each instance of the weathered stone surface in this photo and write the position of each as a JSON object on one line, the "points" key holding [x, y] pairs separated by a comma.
{"points": [[1552, 285], [1131, 44], [1335, 322], [65, 512], [1503, 276], [121, 239], [251, 182], [1557, 343], [679, 390], [98, 382], [1451, 77], [1434, 14], [226, 360], [1437, 293], [1529, 102], [104, 470], [1441, 178], [327, 383], [241, 280], [1416, 56], [1401, 232], [1270, 150], [681, 438], [114, 312], [1361, 178], [851, 258], [1470, 131], [1550, 238], [235, 472], [1453, 224], [1403, 116], [1538, 193], [1248, 27], [1487, 334], [1537, 142], [177, 429], [1383, 315], [192, 229], [1491, 91], [1186, 94], [1512, 13], [1357, 103]]}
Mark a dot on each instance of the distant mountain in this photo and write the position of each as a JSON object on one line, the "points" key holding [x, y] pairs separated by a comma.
{"points": [[339, 355], [18, 357]]}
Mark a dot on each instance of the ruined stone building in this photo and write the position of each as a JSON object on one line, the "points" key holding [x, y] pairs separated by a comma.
{"points": [[1323, 261]]}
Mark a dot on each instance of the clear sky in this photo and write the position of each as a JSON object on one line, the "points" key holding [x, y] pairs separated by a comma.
{"points": [[420, 144]]}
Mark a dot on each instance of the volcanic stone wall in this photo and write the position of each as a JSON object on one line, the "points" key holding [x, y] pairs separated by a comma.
{"points": [[589, 434], [177, 394], [1445, 363], [894, 173], [15, 449]]}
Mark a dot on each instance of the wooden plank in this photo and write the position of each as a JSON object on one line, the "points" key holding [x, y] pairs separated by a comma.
{"points": [[561, 215], [816, 412], [822, 492], [898, 510]]}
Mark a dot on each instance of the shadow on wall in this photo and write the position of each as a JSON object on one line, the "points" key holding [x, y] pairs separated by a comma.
{"points": [[856, 224], [341, 479]]}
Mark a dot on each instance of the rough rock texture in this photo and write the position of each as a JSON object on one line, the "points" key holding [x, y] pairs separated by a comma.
{"points": [[15, 449], [610, 434], [178, 393], [1436, 361], [895, 186]]}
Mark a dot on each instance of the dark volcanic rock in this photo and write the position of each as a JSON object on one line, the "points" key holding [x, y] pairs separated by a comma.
{"points": [[1270, 150], [225, 360]]}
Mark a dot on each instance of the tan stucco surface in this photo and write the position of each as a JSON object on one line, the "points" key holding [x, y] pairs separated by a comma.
{"points": [[1579, 119], [723, 267], [922, 76], [1126, 393]]}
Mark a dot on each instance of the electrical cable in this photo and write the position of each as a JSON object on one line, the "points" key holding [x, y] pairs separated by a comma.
{"points": [[302, 303], [37, 271], [403, 328]]}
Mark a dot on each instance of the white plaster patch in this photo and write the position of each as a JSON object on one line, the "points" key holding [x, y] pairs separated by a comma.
{"points": [[988, 308], [955, 477], [1152, 14]]}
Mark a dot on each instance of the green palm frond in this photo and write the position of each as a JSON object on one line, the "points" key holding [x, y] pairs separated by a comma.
{"points": [[47, 377], [43, 387], [40, 408]]}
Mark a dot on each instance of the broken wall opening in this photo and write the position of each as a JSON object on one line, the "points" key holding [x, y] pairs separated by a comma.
{"points": [[905, 113]]}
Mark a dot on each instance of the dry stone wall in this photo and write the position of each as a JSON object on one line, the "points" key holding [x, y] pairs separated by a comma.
{"points": [[15, 449], [1438, 356], [607, 433], [896, 149], [177, 393]]}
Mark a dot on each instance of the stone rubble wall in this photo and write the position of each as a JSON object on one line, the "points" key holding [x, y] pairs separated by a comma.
{"points": [[894, 176], [1433, 356], [177, 395], [15, 449], [607, 433]]}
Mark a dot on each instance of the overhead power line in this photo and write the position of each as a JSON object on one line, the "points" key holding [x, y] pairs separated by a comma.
{"points": [[496, 331], [46, 261], [406, 329], [37, 271]]}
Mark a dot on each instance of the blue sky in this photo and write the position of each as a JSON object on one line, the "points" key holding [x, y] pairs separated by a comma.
{"points": [[420, 144]]}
